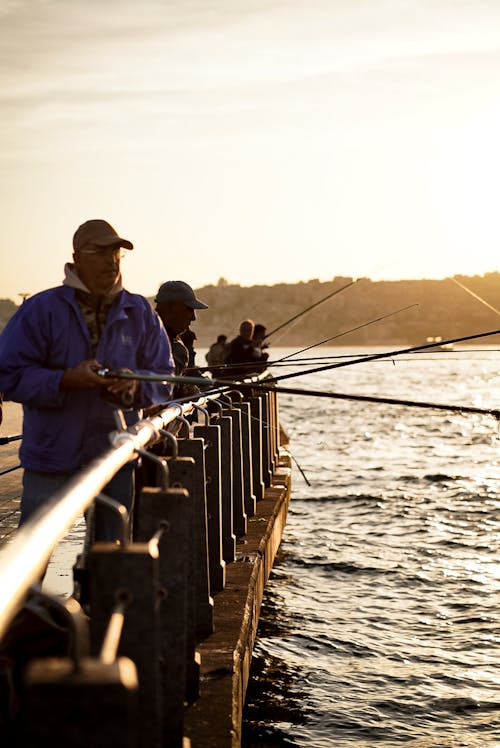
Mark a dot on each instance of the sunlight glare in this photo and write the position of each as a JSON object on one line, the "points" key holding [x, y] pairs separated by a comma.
{"points": [[466, 183]]}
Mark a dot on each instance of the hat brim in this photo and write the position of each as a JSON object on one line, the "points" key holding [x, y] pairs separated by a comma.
{"points": [[198, 305], [112, 241]]}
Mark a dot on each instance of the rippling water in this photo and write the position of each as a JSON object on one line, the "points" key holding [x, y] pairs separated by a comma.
{"points": [[380, 624]]}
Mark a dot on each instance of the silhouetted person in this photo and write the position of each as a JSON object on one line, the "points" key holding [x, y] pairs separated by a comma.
{"points": [[217, 353], [259, 336], [188, 337], [243, 351], [176, 304]]}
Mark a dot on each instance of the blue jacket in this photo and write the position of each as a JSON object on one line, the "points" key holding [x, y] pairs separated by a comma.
{"points": [[64, 430]]}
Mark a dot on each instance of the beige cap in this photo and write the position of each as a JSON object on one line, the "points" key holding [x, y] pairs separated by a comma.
{"points": [[100, 234]]}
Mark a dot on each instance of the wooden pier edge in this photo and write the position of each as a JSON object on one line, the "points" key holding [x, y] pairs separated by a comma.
{"points": [[215, 719]]}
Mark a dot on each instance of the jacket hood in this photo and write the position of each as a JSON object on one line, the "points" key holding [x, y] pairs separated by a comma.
{"points": [[72, 280]]}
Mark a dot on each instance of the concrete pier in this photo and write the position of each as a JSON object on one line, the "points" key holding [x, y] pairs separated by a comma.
{"points": [[214, 720]]}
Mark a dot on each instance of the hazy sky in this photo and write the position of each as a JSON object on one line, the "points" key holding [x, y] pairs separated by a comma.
{"points": [[258, 140]]}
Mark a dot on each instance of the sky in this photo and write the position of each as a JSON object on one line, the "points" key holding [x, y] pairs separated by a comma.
{"points": [[260, 141]]}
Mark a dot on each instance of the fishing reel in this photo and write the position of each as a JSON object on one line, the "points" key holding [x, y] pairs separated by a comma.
{"points": [[122, 400]]}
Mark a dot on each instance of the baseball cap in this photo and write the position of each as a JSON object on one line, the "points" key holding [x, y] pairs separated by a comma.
{"points": [[179, 291], [99, 233]]}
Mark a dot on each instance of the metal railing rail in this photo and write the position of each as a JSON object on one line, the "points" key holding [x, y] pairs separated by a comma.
{"points": [[7, 440], [24, 560]]}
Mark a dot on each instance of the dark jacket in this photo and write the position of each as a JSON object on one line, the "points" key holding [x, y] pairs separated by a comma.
{"points": [[64, 430]]}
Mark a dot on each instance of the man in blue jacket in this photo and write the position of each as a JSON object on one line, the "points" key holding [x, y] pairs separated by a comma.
{"points": [[50, 352]]}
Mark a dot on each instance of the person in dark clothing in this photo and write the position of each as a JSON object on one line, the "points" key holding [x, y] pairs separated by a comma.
{"points": [[242, 350], [217, 353], [176, 304], [188, 337], [259, 335]]}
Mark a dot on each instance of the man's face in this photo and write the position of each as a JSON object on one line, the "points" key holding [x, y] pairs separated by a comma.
{"points": [[246, 331], [98, 268], [176, 315]]}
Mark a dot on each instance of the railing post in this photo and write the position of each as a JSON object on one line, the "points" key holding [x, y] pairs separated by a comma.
{"points": [[180, 470], [256, 436], [135, 569], [77, 701], [272, 431], [225, 424], [170, 508], [246, 458], [216, 564], [194, 481], [97, 705], [275, 428], [266, 440], [239, 515]]}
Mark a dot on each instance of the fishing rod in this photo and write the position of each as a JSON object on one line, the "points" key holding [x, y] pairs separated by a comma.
{"points": [[373, 399], [222, 367], [313, 306], [346, 332], [450, 356], [299, 391], [307, 360], [202, 381], [388, 354], [158, 378], [475, 295]]}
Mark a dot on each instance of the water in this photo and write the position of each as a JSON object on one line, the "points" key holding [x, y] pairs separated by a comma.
{"points": [[380, 624]]}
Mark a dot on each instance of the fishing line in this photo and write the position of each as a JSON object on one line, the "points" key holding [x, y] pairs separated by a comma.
{"points": [[475, 295], [243, 365], [388, 354], [313, 306], [160, 378], [300, 469], [346, 332]]}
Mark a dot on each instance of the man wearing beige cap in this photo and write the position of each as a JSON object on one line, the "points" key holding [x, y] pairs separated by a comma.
{"points": [[50, 353]]}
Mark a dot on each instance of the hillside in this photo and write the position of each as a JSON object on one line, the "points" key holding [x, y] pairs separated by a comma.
{"points": [[444, 308]]}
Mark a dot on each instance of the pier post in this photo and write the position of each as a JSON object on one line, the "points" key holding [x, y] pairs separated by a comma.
{"points": [[134, 569], [216, 564], [94, 705], [256, 435], [246, 458], [170, 508], [266, 440], [275, 428], [239, 514], [225, 424], [193, 480]]}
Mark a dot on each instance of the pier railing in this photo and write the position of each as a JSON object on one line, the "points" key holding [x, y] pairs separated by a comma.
{"points": [[143, 604]]}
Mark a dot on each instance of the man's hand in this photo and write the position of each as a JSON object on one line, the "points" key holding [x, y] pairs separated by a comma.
{"points": [[122, 388], [82, 376]]}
